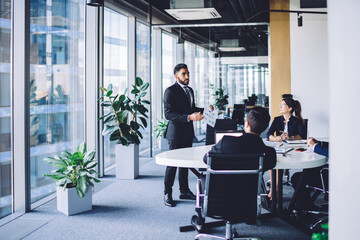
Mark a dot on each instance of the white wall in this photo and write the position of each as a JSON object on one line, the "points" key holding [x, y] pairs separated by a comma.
{"points": [[344, 51], [309, 68]]}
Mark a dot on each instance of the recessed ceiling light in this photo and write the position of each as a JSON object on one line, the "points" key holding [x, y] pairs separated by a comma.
{"points": [[232, 49]]}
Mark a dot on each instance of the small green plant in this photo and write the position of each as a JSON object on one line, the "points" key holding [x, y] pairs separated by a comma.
{"points": [[160, 128], [77, 168], [127, 114], [323, 235], [221, 99]]}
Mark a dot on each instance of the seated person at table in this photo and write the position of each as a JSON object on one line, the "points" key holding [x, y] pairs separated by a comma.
{"points": [[311, 177], [256, 122], [287, 126]]}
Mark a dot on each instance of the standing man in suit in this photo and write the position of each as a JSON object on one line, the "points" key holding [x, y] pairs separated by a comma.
{"points": [[180, 111]]}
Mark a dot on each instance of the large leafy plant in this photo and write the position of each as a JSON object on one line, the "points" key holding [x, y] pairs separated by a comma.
{"points": [[160, 128], [74, 170], [221, 99], [127, 115]]}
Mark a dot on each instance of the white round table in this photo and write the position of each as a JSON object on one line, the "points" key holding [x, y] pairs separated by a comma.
{"points": [[193, 158]]}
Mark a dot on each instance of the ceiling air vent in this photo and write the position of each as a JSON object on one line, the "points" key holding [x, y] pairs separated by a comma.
{"points": [[192, 10], [193, 13]]}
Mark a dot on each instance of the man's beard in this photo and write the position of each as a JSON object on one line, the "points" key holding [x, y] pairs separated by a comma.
{"points": [[183, 81]]}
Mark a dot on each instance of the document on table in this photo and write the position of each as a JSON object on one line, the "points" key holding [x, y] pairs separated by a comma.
{"points": [[295, 141], [210, 116]]}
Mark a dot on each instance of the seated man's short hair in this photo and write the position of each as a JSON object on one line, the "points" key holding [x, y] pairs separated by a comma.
{"points": [[258, 119]]}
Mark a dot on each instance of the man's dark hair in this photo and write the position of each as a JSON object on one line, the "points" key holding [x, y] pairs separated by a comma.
{"points": [[258, 119], [179, 66]]}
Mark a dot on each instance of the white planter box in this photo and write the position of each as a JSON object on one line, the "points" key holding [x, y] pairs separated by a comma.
{"points": [[127, 161], [69, 203], [163, 144]]}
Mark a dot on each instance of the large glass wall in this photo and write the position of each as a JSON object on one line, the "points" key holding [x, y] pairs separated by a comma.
{"points": [[57, 62], [168, 58], [115, 64], [143, 71], [5, 126], [244, 80]]}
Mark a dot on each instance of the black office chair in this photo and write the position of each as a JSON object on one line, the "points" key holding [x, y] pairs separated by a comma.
{"points": [[221, 124], [324, 189], [232, 191], [239, 113]]}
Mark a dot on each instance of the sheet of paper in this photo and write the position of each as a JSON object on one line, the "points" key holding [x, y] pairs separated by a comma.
{"points": [[210, 116]]}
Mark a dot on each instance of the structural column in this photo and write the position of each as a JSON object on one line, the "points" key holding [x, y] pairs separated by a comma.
{"points": [[279, 54]]}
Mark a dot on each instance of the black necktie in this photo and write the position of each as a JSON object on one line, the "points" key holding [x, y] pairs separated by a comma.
{"points": [[187, 94]]}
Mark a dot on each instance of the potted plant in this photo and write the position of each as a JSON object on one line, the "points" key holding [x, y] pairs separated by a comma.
{"points": [[221, 99], [160, 130], [74, 175], [123, 122]]}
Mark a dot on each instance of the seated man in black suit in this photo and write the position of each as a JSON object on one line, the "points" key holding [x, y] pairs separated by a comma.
{"points": [[311, 177], [256, 122]]}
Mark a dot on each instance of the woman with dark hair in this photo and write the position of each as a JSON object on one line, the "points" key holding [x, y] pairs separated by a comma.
{"points": [[287, 126]]}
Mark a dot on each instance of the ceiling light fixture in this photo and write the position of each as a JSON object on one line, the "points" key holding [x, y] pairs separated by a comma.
{"points": [[95, 3], [232, 49]]}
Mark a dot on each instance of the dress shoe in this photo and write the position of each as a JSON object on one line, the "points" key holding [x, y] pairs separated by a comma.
{"points": [[196, 224], [187, 195], [168, 201]]}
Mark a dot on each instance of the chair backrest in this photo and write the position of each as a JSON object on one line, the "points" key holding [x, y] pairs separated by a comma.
{"points": [[239, 116], [221, 124], [233, 186]]}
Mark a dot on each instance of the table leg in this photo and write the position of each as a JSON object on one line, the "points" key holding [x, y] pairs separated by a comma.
{"points": [[280, 189], [274, 192]]}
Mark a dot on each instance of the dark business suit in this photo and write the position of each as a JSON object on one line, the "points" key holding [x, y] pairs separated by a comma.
{"points": [[295, 127], [248, 143], [311, 177], [180, 131]]}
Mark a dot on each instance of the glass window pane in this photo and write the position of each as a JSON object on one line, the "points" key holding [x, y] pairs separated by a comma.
{"points": [[168, 52], [56, 85], [5, 133], [115, 64], [143, 71]]}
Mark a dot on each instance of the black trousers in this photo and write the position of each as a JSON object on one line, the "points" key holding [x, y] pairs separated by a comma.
{"points": [[171, 171], [311, 178]]}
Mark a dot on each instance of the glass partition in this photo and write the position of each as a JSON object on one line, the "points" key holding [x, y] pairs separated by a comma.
{"points": [[115, 64], [5, 119], [143, 71], [232, 56], [57, 61]]}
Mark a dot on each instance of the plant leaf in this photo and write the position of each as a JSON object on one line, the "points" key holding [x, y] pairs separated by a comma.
{"points": [[103, 89], [82, 147], [89, 155], [106, 104], [108, 129], [110, 86], [135, 91], [105, 115], [145, 86], [143, 120], [145, 101], [138, 81], [108, 94], [115, 135]]}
